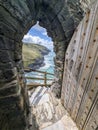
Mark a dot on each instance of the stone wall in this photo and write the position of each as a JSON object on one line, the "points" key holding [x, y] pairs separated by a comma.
{"points": [[60, 18], [86, 4], [13, 92], [80, 80]]}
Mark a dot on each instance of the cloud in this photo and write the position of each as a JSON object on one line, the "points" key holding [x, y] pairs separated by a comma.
{"points": [[42, 30], [38, 27], [44, 33], [37, 40], [45, 40]]}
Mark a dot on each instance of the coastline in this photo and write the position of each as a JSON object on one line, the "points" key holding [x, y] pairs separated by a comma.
{"points": [[33, 55], [39, 62]]}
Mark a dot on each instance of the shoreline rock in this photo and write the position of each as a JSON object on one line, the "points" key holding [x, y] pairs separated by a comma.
{"points": [[39, 62], [33, 55]]}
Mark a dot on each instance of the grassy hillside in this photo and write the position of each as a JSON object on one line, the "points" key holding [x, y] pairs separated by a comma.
{"points": [[31, 52]]}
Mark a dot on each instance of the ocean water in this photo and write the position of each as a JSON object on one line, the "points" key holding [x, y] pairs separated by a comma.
{"points": [[49, 67], [49, 63]]}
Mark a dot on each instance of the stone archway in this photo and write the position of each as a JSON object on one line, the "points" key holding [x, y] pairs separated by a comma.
{"points": [[60, 18]]}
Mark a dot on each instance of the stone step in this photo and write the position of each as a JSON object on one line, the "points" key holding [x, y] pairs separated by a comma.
{"points": [[57, 126], [65, 123], [48, 111]]}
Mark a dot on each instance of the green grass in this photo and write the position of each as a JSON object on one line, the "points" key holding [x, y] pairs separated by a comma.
{"points": [[31, 52]]}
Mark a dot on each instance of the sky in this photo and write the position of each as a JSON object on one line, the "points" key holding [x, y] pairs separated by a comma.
{"points": [[38, 35]]}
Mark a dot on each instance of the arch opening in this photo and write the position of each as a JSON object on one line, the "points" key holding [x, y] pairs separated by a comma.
{"points": [[38, 35], [55, 31], [38, 54]]}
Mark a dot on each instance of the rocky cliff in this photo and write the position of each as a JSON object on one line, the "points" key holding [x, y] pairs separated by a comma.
{"points": [[33, 55]]}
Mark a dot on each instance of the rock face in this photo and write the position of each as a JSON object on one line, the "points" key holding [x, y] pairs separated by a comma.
{"points": [[48, 111], [60, 18], [33, 55], [37, 63]]}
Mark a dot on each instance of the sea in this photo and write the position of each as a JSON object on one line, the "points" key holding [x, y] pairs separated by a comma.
{"points": [[48, 67], [49, 63]]}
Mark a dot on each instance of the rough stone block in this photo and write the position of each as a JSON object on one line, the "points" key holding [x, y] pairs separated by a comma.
{"points": [[5, 56], [10, 73], [11, 90]]}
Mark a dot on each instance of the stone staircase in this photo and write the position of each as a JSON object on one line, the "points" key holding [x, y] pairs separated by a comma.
{"points": [[48, 112]]}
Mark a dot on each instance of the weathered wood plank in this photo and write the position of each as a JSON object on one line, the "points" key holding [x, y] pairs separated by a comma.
{"points": [[30, 69], [80, 79], [36, 78], [33, 85]]}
